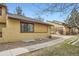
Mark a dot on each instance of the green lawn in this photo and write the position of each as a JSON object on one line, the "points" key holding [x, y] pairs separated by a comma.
{"points": [[62, 49]]}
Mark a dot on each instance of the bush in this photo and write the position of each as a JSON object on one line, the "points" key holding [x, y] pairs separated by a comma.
{"points": [[50, 36]]}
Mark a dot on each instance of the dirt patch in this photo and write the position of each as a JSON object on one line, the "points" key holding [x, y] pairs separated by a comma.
{"points": [[12, 45]]}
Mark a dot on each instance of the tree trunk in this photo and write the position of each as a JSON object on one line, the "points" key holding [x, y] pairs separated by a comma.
{"points": [[78, 30]]}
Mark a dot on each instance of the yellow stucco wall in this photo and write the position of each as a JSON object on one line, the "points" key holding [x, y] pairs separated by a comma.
{"points": [[12, 31], [2, 26], [40, 28], [3, 16]]}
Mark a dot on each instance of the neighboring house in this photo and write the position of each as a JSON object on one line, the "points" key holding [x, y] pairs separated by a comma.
{"points": [[62, 28], [16, 27], [71, 30], [57, 27]]}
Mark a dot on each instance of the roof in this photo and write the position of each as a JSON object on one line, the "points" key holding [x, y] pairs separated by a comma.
{"points": [[56, 22], [24, 18], [2, 4]]}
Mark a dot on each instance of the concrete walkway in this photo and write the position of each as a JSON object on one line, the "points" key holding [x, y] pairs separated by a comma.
{"points": [[21, 50]]}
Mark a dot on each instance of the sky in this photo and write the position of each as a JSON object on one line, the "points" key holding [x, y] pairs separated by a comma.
{"points": [[30, 10]]}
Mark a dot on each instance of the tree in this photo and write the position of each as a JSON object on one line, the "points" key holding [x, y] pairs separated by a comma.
{"points": [[63, 8], [56, 7], [19, 10], [73, 21], [39, 19], [73, 18]]}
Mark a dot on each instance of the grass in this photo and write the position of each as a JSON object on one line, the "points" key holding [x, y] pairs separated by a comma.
{"points": [[62, 49], [71, 40], [58, 50]]}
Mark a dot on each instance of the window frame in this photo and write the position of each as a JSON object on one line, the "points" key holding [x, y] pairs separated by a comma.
{"points": [[27, 25]]}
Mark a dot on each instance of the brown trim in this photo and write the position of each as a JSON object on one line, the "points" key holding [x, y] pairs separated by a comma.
{"points": [[13, 18], [2, 23], [40, 32], [1, 11], [0, 34], [26, 22], [34, 32]]}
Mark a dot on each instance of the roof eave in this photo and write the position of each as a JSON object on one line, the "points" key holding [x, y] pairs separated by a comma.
{"points": [[22, 20]]}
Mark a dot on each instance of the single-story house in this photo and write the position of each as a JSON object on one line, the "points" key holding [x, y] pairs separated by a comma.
{"points": [[57, 27], [15, 27], [71, 30], [61, 28]]}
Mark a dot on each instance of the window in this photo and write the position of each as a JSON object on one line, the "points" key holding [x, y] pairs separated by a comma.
{"points": [[30, 27], [0, 11], [26, 27]]}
